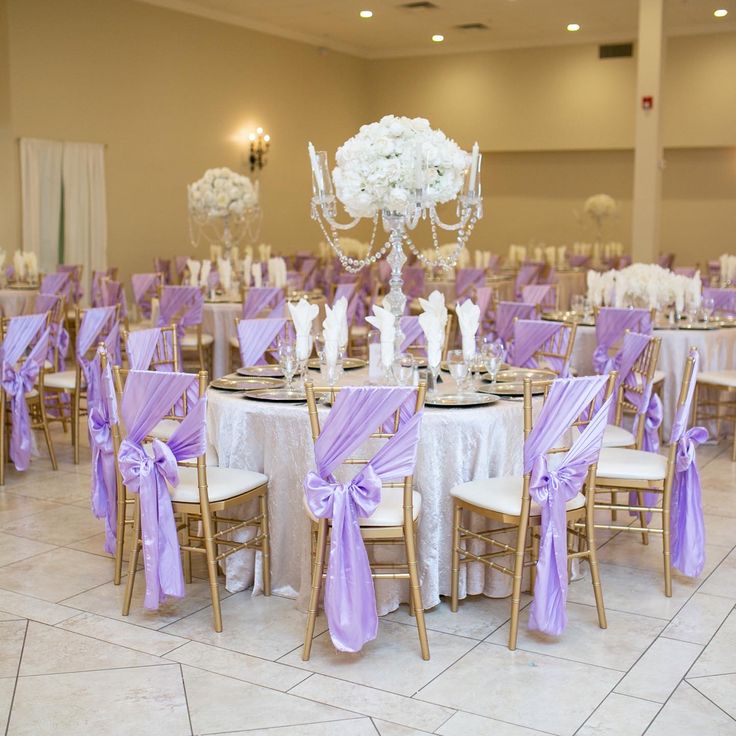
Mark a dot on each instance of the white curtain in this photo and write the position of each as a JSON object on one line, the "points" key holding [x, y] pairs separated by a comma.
{"points": [[85, 209], [40, 167]]}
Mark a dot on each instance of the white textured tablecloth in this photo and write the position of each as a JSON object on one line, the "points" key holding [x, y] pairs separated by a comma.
{"points": [[218, 320], [14, 302], [456, 445], [717, 351]]}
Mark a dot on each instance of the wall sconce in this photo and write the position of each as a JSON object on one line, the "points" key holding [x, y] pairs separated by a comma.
{"points": [[259, 143]]}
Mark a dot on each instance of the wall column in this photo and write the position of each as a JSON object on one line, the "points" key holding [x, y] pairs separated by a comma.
{"points": [[645, 245]]}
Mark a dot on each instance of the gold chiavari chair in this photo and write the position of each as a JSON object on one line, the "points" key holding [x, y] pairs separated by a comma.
{"points": [[507, 501], [559, 346], [715, 401], [393, 523], [621, 469], [36, 401], [204, 492], [71, 382]]}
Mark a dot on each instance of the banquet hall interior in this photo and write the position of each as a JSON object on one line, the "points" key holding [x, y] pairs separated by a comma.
{"points": [[368, 367]]}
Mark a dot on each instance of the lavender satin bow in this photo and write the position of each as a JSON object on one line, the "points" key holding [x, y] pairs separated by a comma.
{"points": [[652, 419], [349, 588], [103, 479], [17, 383], [552, 488], [687, 528], [148, 477]]}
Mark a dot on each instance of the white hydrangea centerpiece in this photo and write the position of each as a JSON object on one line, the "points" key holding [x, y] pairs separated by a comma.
{"points": [[222, 193], [600, 206], [382, 166]]}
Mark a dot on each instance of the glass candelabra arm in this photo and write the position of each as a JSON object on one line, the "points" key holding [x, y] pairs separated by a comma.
{"points": [[462, 222], [329, 212]]}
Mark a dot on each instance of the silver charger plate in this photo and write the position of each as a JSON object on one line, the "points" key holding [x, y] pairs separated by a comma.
{"points": [[348, 364], [446, 368], [461, 400], [272, 370], [245, 383], [510, 389], [517, 375], [700, 326], [276, 394]]}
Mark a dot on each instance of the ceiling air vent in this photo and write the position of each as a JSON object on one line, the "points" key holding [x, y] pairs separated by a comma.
{"points": [[615, 50], [419, 5], [472, 27]]}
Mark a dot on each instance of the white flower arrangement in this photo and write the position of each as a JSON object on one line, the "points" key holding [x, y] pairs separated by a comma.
{"points": [[600, 207], [221, 193], [382, 166], [644, 285]]}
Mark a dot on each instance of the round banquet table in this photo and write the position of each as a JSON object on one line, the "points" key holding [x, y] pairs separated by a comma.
{"points": [[14, 302], [456, 445], [218, 320], [717, 351]]}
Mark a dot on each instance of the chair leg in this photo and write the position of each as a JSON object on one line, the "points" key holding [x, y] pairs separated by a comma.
{"points": [[120, 534], [208, 526], [133, 562], [319, 562], [187, 555], [457, 514], [518, 573], [594, 571], [265, 544], [614, 501], [535, 558], [415, 590], [47, 434], [666, 553], [75, 425], [642, 518]]}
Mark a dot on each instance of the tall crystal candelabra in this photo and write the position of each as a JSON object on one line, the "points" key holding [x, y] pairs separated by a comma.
{"points": [[398, 222]]}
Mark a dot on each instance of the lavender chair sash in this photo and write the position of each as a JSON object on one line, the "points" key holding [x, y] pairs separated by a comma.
{"points": [[537, 293], [611, 323], [148, 397], [309, 271], [466, 279], [666, 260], [112, 294], [413, 281], [58, 336], [577, 260], [687, 528], [74, 291], [143, 285], [413, 332], [96, 291], [255, 336], [724, 300], [507, 312], [552, 486], [180, 305], [55, 283], [163, 266], [260, 298], [180, 265], [528, 274], [103, 414], [483, 295], [141, 347], [350, 601], [530, 336], [18, 380]]}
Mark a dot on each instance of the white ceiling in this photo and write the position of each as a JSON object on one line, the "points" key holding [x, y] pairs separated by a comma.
{"points": [[395, 31]]}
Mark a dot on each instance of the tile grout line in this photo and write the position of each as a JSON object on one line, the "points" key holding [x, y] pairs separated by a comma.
{"points": [[15, 684], [186, 699]]}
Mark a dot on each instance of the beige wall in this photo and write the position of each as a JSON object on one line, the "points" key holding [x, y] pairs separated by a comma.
{"points": [[165, 91], [8, 219]]}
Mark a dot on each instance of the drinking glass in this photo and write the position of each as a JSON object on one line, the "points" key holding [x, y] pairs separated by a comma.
{"points": [[709, 305], [577, 305], [319, 345], [587, 308], [493, 358], [403, 369], [288, 362], [331, 373], [458, 368]]}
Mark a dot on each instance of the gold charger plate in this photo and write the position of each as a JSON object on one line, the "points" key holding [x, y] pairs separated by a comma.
{"points": [[245, 383], [461, 400], [271, 370], [276, 394], [510, 389], [517, 375], [446, 368], [700, 326], [348, 364]]}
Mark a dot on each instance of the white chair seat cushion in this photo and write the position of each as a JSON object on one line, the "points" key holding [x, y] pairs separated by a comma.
{"points": [[616, 462], [390, 511], [614, 436], [190, 340], [658, 377], [164, 429], [61, 379], [722, 378], [503, 495], [222, 483]]}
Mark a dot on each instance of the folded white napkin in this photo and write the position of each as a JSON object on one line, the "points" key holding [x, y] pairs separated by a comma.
{"points": [[246, 270], [31, 265], [436, 303], [385, 323], [204, 273], [468, 317], [435, 335], [340, 307], [215, 252], [255, 269], [194, 267], [486, 259], [235, 254], [225, 272], [19, 265], [303, 314], [248, 250], [331, 330], [478, 259], [282, 273], [3, 256]]}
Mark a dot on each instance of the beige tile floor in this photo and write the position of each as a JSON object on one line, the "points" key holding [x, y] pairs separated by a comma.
{"points": [[71, 664]]}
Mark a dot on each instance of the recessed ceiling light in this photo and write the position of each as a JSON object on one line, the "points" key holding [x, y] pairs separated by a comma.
{"points": [[573, 27], [438, 38], [720, 13], [366, 13]]}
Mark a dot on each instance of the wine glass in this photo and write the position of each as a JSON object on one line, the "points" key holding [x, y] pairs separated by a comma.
{"points": [[403, 369], [288, 362], [331, 372], [709, 305], [493, 358], [577, 305], [458, 368]]}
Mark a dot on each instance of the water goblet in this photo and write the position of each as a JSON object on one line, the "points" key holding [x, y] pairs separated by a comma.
{"points": [[577, 305], [288, 362], [493, 358], [331, 372], [458, 368], [403, 369], [708, 305]]}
